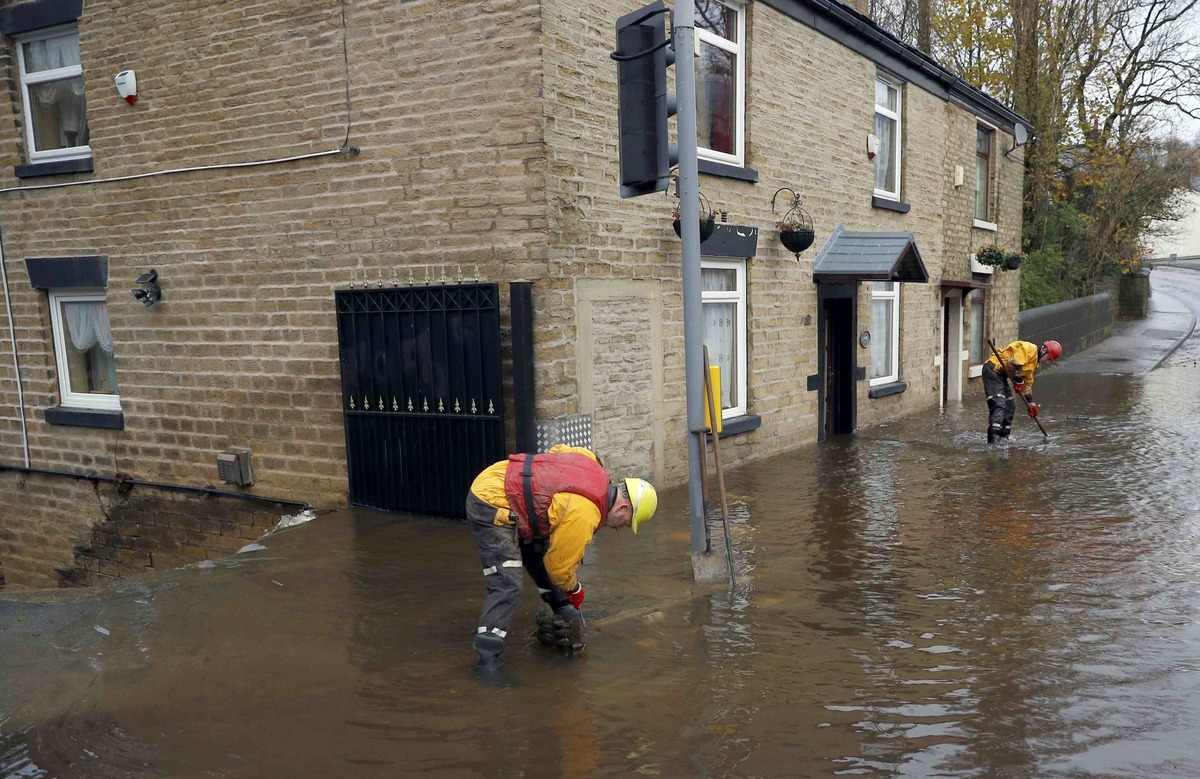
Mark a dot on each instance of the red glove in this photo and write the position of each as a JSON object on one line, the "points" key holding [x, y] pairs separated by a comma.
{"points": [[1033, 410], [576, 596], [1019, 387]]}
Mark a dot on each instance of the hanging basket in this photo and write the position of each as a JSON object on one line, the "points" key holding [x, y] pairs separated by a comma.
{"points": [[796, 241], [707, 228], [1013, 260], [796, 228]]}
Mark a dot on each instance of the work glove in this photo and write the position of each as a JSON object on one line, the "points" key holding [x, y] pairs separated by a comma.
{"points": [[1019, 387], [576, 596], [1033, 410]]}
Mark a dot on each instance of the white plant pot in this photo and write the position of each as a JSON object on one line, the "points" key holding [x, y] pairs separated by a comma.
{"points": [[979, 267]]}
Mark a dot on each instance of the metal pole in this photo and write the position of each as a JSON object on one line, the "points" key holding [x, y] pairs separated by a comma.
{"points": [[684, 32]]}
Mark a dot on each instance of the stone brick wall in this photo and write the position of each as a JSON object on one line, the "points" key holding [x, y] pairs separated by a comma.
{"points": [[487, 149], [810, 106], [66, 532], [242, 350]]}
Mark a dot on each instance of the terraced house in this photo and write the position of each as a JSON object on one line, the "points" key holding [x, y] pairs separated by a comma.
{"points": [[337, 251]]}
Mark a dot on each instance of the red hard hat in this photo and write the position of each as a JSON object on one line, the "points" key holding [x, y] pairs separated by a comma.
{"points": [[1053, 350]]}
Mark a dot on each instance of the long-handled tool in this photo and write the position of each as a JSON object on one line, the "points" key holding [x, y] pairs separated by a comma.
{"points": [[716, 439], [1000, 364]]}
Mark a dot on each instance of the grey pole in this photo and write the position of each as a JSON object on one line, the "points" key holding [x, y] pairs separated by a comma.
{"points": [[684, 33]]}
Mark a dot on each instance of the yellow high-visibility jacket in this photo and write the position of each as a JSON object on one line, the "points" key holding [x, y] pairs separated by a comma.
{"points": [[573, 519], [1023, 352]]}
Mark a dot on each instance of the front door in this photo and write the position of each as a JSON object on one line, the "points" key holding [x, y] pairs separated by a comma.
{"points": [[838, 366]]}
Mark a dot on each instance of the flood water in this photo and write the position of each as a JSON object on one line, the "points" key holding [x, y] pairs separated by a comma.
{"points": [[909, 602]]}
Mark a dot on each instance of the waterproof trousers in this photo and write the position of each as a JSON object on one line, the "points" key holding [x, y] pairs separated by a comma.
{"points": [[1000, 403], [502, 556]]}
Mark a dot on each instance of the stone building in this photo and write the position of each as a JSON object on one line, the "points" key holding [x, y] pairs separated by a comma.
{"points": [[275, 153]]}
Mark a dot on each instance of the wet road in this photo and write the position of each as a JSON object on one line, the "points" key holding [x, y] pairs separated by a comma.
{"points": [[911, 602]]}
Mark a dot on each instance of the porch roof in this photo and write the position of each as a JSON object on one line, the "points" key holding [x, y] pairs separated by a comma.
{"points": [[866, 256]]}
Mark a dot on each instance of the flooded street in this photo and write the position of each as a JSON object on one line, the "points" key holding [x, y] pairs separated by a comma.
{"points": [[909, 602]]}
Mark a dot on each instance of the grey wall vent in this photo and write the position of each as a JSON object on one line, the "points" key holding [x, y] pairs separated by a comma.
{"points": [[234, 467]]}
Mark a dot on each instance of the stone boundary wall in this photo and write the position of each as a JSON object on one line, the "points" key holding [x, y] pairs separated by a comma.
{"points": [[62, 532], [1076, 324]]}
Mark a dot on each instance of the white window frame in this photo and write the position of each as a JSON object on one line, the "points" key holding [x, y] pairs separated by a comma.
{"points": [[987, 224], [737, 297], [68, 398], [894, 295], [896, 117], [738, 49], [976, 369], [27, 80]]}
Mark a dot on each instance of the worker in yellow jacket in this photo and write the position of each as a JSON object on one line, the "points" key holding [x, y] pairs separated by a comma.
{"points": [[1020, 360], [540, 512]]}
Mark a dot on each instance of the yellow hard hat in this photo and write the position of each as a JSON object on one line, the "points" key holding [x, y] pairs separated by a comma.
{"points": [[644, 500]]}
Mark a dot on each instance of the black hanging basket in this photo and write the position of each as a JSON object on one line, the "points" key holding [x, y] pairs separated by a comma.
{"points": [[707, 228], [796, 241], [796, 228]]}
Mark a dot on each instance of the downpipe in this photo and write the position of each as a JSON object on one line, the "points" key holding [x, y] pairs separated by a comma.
{"points": [[12, 334]]}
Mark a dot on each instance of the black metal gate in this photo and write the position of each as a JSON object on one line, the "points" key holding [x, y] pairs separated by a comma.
{"points": [[420, 393]]}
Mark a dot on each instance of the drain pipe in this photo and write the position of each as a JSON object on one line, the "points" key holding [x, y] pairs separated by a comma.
{"points": [[121, 480], [12, 334]]}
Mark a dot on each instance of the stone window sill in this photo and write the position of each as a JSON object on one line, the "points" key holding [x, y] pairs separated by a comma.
{"points": [[883, 390], [55, 168], [890, 205], [85, 417], [742, 424], [727, 171]]}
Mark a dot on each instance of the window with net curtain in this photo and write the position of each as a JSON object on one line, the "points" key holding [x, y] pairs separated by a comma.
{"points": [[885, 331], [723, 299], [718, 80], [887, 130], [976, 324], [83, 345], [55, 108], [983, 170]]}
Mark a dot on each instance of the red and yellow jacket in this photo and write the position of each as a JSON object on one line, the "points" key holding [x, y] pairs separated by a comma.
{"points": [[572, 518], [1022, 353]]}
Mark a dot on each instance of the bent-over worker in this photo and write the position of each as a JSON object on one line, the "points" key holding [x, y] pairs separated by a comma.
{"points": [[540, 512], [1020, 359]]}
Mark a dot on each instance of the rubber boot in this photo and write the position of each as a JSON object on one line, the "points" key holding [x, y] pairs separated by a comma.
{"points": [[488, 647], [991, 436]]}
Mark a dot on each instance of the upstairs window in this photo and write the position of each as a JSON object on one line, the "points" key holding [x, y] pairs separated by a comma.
{"points": [[52, 92], [83, 349], [984, 138], [887, 129], [720, 80]]}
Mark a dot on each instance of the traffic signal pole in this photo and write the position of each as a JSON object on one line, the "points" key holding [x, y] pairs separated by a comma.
{"points": [[684, 35], [645, 162]]}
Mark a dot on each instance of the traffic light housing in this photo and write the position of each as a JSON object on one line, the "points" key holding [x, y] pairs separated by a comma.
{"points": [[643, 103]]}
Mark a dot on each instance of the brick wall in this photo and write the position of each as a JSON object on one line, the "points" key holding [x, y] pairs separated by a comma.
{"points": [[242, 350], [488, 145], [67, 532]]}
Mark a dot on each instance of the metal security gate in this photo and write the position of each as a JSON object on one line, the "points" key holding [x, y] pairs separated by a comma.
{"points": [[420, 393]]}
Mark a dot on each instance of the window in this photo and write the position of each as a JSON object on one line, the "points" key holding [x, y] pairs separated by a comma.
{"points": [[983, 174], [720, 80], [724, 299], [887, 130], [976, 344], [83, 349], [52, 90], [885, 332]]}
